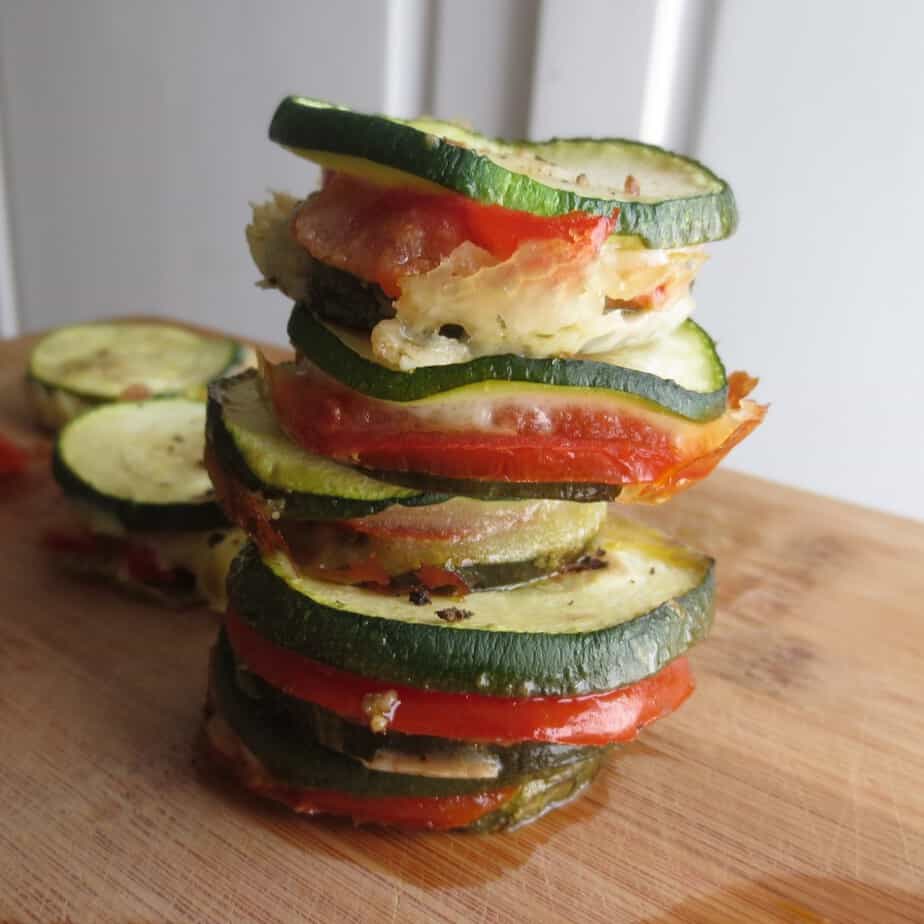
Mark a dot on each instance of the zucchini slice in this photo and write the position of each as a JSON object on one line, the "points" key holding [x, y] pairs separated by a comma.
{"points": [[140, 462], [680, 372], [285, 746], [76, 367], [581, 632], [248, 444], [678, 201], [540, 795], [504, 490]]}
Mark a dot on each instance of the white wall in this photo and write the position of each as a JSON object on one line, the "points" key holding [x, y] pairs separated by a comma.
{"points": [[134, 135], [817, 119]]}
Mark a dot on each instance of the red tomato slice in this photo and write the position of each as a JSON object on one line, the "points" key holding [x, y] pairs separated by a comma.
{"points": [[13, 459], [432, 813], [567, 442], [142, 565], [599, 718], [384, 233], [140, 561], [72, 542]]}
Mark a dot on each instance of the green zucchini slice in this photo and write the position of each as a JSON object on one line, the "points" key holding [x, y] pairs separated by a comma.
{"points": [[672, 200], [680, 372], [140, 462], [504, 490], [579, 632], [539, 796], [248, 444], [76, 367]]}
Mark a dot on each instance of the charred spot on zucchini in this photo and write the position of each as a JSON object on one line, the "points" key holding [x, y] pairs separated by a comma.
{"points": [[342, 298], [625, 623]]}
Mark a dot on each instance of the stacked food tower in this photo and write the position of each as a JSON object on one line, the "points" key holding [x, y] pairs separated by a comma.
{"points": [[439, 621]]}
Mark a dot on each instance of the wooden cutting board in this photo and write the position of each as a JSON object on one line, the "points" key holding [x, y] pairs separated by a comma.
{"points": [[788, 789]]}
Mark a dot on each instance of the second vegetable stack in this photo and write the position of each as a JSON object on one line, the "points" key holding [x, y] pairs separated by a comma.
{"points": [[438, 621]]}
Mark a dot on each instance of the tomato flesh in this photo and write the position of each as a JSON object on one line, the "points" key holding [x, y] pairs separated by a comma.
{"points": [[13, 459], [384, 233], [599, 718], [430, 813], [139, 561], [563, 443]]}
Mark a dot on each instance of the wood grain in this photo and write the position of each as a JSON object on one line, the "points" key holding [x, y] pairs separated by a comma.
{"points": [[788, 789]]}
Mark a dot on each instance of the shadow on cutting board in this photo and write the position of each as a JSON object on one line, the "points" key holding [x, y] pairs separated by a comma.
{"points": [[433, 861], [799, 900]]}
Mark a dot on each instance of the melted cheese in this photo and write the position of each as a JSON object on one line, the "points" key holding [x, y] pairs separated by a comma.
{"points": [[470, 766], [549, 299], [196, 551]]}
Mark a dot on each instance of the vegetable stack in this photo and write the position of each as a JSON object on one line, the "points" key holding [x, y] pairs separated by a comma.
{"points": [[439, 621]]}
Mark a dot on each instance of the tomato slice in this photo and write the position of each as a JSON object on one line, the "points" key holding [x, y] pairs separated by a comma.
{"points": [[563, 442], [139, 561], [431, 813], [13, 459], [598, 718], [72, 542], [384, 233]]}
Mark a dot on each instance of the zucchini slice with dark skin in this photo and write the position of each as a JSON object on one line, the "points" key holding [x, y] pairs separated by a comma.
{"points": [[503, 490], [582, 632], [665, 199], [539, 796], [286, 748], [248, 445], [430, 756], [140, 462], [78, 367], [686, 354]]}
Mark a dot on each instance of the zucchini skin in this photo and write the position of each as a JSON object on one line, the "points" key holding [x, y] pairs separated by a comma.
{"points": [[294, 505], [134, 515], [330, 354], [288, 751], [503, 490], [358, 742], [458, 660], [670, 223], [241, 354], [539, 796]]}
